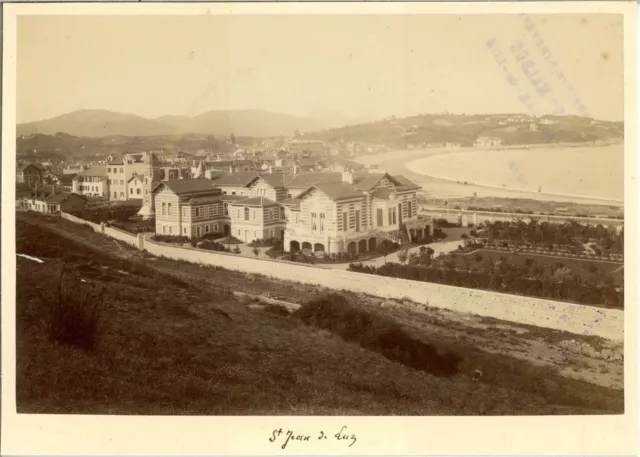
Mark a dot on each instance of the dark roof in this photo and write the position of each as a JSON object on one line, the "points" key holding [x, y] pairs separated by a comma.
{"points": [[308, 179], [116, 162], [62, 196], [204, 199], [291, 202], [275, 180], [257, 201], [94, 171], [230, 198], [35, 165], [405, 183], [190, 186], [66, 178], [337, 190], [241, 178], [136, 176]]}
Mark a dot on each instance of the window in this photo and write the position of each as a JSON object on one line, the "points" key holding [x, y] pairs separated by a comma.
{"points": [[313, 222], [409, 209], [197, 211], [206, 228], [379, 217], [163, 229], [254, 215], [122, 182], [121, 194], [164, 209], [246, 214], [233, 193], [345, 221], [226, 209], [115, 194], [170, 227], [272, 233], [321, 222], [392, 216], [184, 230], [109, 171], [122, 171], [215, 227], [169, 209], [138, 191], [282, 213], [146, 191]]}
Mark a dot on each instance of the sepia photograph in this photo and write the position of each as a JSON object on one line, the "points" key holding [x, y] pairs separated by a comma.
{"points": [[279, 213]]}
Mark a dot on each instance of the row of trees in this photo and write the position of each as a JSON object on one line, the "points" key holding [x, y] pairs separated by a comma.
{"points": [[562, 285], [545, 233]]}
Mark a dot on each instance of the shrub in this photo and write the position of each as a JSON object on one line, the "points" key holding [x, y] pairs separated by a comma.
{"points": [[377, 333], [260, 242], [75, 314], [236, 250], [170, 238], [212, 246]]}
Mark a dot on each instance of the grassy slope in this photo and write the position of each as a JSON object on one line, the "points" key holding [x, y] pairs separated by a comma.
{"points": [[169, 349]]}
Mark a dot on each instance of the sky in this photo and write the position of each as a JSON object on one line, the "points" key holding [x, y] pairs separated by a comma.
{"points": [[359, 65]]}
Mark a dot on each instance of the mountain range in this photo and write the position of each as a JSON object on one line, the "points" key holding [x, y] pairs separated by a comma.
{"points": [[254, 123]]}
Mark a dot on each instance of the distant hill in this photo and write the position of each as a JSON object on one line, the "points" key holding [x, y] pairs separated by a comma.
{"points": [[514, 129], [101, 123]]}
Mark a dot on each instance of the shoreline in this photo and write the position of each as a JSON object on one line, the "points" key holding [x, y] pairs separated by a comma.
{"points": [[446, 187]]}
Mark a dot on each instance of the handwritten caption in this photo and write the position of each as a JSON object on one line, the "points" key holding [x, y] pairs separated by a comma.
{"points": [[281, 436]]}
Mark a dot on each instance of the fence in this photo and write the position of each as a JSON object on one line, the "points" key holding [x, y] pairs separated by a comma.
{"points": [[573, 318]]}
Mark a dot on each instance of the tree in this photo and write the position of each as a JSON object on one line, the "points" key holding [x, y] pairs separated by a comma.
{"points": [[402, 256]]}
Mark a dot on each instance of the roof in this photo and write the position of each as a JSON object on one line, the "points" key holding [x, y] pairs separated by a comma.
{"points": [[136, 176], [94, 171], [366, 181], [275, 180], [116, 162], [405, 183], [308, 179], [66, 178], [257, 201], [204, 199], [337, 190], [241, 178], [35, 165], [189, 186], [230, 198], [293, 203], [62, 196]]}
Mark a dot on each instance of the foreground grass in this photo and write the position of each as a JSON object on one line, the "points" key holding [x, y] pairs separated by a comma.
{"points": [[176, 346]]}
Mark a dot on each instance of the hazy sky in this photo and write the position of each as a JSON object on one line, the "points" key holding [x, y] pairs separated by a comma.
{"points": [[372, 64]]}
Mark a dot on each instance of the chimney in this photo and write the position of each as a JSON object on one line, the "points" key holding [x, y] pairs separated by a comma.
{"points": [[347, 176]]}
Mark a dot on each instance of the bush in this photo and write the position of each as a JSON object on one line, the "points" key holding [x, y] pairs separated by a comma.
{"points": [[260, 243], [170, 238], [76, 316], [212, 246], [377, 333]]}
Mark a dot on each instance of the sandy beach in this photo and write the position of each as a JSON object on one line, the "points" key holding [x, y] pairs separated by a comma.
{"points": [[438, 170]]}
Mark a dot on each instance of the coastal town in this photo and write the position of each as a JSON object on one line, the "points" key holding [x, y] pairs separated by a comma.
{"points": [[395, 260]]}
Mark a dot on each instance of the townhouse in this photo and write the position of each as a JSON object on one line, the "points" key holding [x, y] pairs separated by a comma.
{"points": [[188, 207], [29, 174], [315, 211], [92, 182], [52, 200]]}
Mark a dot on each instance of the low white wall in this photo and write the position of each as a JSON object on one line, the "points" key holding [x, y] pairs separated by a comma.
{"points": [[77, 220], [569, 317], [121, 235], [538, 312]]}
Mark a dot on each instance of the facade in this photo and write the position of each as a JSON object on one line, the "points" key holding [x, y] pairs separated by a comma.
{"points": [[92, 182], [136, 187], [488, 142], [256, 218], [30, 174], [188, 207], [354, 215], [116, 180], [318, 212]]}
